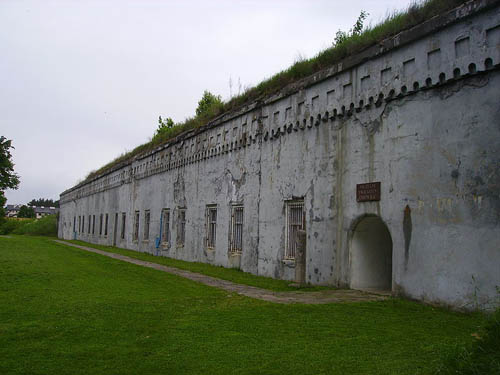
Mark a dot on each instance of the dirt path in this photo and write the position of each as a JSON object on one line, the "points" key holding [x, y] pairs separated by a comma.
{"points": [[325, 296]]}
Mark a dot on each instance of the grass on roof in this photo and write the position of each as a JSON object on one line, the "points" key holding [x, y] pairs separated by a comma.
{"points": [[394, 23]]}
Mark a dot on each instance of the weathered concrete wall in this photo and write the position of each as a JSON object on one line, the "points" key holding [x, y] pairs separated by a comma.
{"points": [[423, 118]]}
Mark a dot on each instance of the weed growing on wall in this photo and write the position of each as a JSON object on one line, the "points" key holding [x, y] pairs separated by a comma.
{"points": [[344, 45]]}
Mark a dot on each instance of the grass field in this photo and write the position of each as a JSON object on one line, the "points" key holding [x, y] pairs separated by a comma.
{"points": [[67, 311], [231, 274]]}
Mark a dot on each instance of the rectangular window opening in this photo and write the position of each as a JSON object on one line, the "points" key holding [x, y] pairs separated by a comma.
{"points": [[295, 221], [147, 220], [211, 215], [236, 229], [181, 226], [165, 232], [124, 220], [135, 234]]}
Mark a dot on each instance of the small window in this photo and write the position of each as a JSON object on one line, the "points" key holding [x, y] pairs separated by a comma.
{"points": [[100, 225], [147, 219], [93, 224], [165, 230], [211, 216], [236, 229], [89, 222], [79, 224], [136, 226], [83, 223], [106, 225], [124, 220], [294, 222], [181, 226]]}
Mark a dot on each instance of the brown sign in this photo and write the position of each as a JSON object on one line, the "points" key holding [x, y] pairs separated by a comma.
{"points": [[368, 192]]}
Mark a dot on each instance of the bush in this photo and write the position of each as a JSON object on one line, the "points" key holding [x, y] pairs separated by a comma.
{"points": [[12, 224], [483, 356], [46, 226]]}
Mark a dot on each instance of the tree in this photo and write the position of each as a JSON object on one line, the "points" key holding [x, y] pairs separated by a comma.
{"points": [[164, 125], [26, 211], [43, 202], [342, 36], [208, 105], [8, 179]]}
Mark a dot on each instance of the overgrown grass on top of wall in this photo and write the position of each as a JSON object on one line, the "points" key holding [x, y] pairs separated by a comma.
{"points": [[394, 23], [45, 226]]}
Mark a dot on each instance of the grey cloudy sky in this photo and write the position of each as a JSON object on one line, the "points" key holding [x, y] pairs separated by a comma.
{"points": [[83, 81]]}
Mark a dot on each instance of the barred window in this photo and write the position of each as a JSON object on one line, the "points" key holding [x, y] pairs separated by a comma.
{"points": [[136, 226], [211, 216], [79, 224], [181, 226], [165, 222], [93, 224], [90, 220], [236, 229], [100, 225], [124, 219], [83, 223], [295, 220], [106, 226], [147, 219]]}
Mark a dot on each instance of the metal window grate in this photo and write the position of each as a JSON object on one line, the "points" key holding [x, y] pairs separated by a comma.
{"points": [[136, 226], [165, 233], [294, 221], [181, 227], [236, 234], [147, 220], [211, 226]]}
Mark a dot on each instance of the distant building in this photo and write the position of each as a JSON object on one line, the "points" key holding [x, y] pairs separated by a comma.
{"points": [[44, 211], [12, 210]]}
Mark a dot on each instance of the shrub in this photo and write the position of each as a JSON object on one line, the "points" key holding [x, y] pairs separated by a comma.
{"points": [[46, 226], [482, 357], [13, 224]]}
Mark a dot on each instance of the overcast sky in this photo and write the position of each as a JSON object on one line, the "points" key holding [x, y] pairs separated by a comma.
{"points": [[83, 81]]}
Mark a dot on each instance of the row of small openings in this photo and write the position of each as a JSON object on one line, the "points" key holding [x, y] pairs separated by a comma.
{"points": [[472, 69]]}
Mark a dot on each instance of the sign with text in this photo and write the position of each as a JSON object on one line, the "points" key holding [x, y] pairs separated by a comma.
{"points": [[368, 192]]}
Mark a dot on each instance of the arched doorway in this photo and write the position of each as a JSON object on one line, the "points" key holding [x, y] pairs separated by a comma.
{"points": [[371, 255]]}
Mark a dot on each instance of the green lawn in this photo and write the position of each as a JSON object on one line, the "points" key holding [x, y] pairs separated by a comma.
{"points": [[67, 311], [232, 274]]}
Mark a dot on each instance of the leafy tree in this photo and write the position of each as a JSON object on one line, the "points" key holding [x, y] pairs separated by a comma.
{"points": [[8, 179], [342, 36], [43, 202], [164, 125], [209, 104], [26, 211]]}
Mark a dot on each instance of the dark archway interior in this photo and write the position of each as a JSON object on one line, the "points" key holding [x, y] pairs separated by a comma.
{"points": [[371, 255]]}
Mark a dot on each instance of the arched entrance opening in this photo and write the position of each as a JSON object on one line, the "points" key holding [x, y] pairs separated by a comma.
{"points": [[371, 255]]}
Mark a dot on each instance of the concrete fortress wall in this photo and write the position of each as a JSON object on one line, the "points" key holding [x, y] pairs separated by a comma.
{"points": [[421, 116]]}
